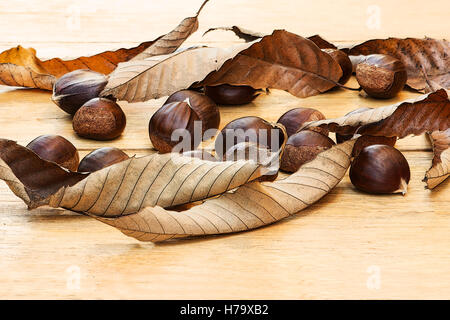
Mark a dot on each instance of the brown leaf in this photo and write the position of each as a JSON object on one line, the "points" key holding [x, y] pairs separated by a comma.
{"points": [[423, 58], [427, 113], [124, 188], [282, 60], [20, 66], [440, 169], [251, 206]]}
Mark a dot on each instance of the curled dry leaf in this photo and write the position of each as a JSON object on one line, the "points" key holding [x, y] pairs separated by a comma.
{"points": [[423, 58], [20, 66], [248, 36], [124, 188], [440, 169], [252, 205], [427, 113], [282, 60]]}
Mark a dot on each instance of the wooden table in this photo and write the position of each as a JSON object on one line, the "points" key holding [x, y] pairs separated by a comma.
{"points": [[348, 245]]}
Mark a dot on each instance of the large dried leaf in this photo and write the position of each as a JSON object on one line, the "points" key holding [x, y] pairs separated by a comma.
{"points": [[423, 58], [440, 169], [124, 188], [160, 76], [282, 60], [427, 113], [251, 206]]}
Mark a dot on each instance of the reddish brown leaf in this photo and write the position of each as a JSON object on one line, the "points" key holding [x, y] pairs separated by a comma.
{"points": [[423, 58], [283, 61]]}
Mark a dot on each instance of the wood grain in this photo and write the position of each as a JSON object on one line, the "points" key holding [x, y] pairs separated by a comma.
{"points": [[330, 250]]}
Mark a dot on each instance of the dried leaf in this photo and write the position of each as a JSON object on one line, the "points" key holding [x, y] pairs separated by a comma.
{"points": [[440, 169], [171, 41], [248, 36], [423, 58], [427, 113], [282, 60], [251, 206], [20, 66], [124, 188]]}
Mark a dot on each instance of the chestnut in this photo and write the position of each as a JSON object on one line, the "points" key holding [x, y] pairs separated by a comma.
{"points": [[344, 137], [206, 109], [365, 141], [303, 147], [76, 88], [99, 119], [344, 62], [293, 119], [169, 118], [380, 169], [381, 76], [250, 129], [231, 95], [101, 158], [56, 149]]}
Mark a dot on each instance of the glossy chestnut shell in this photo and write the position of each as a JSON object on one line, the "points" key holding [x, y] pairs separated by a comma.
{"points": [[76, 88], [101, 158], [99, 119], [303, 147], [295, 118], [227, 94], [56, 149], [206, 109], [249, 129], [170, 117], [380, 169]]}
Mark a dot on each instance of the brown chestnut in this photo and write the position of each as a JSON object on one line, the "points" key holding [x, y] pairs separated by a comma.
{"points": [[206, 109], [56, 149], [366, 140], [303, 147], [99, 119], [101, 158], [380, 169], [76, 88], [344, 137], [169, 118], [231, 95], [344, 62], [381, 76], [293, 119], [250, 129]]}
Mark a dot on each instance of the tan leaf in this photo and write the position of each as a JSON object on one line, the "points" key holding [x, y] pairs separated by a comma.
{"points": [[440, 169], [163, 75], [124, 188], [171, 41], [282, 60], [423, 58], [252, 205], [427, 113]]}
